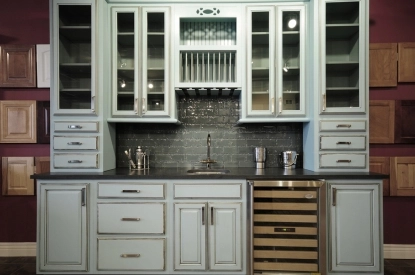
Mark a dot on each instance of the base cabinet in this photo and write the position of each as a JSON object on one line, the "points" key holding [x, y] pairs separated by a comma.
{"points": [[355, 227], [216, 224], [62, 227]]}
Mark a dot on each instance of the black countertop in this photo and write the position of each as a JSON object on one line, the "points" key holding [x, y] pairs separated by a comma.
{"points": [[235, 173]]}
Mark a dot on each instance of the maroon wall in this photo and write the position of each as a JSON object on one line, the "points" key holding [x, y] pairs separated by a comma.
{"points": [[22, 22], [392, 22]]}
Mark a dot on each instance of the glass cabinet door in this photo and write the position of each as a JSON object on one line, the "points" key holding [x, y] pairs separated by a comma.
{"points": [[125, 54], [260, 61], [155, 61], [290, 61], [344, 54], [73, 57]]}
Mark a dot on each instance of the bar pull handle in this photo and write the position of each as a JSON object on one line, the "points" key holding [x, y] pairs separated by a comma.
{"points": [[74, 127], [211, 215], [75, 143], [280, 105], [136, 106], [273, 105], [131, 191], [343, 125], [144, 105], [344, 142], [130, 255], [75, 161], [334, 199], [203, 215], [343, 161], [83, 197], [130, 219], [324, 102]]}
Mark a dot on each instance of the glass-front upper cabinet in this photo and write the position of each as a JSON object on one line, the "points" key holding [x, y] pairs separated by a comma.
{"points": [[345, 54], [260, 66], [290, 59], [73, 60], [276, 61], [140, 68]]}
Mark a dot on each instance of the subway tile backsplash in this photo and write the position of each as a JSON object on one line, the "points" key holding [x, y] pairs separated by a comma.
{"points": [[185, 145]]}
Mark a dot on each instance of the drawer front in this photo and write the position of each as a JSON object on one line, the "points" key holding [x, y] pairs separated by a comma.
{"points": [[130, 190], [75, 143], [131, 218], [342, 160], [342, 125], [342, 142], [131, 254], [75, 161], [76, 126], [208, 190]]}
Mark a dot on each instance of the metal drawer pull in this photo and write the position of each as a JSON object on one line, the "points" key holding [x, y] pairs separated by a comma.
{"points": [[75, 161], [75, 143], [203, 215], [130, 219], [344, 142], [74, 126], [309, 196], [131, 191], [285, 229], [344, 160], [334, 199], [130, 255], [211, 216], [344, 125]]}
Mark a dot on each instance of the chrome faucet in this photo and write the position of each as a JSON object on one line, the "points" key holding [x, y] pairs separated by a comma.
{"points": [[208, 161]]}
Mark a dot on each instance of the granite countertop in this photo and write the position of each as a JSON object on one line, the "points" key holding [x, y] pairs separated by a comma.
{"points": [[235, 173]]}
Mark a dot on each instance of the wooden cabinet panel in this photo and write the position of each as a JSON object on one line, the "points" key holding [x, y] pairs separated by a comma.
{"points": [[43, 122], [406, 67], [42, 165], [383, 60], [381, 121], [402, 176], [18, 66], [381, 165], [404, 125], [16, 173], [18, 121]]}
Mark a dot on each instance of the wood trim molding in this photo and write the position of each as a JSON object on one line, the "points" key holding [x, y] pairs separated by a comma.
{"points": [[18, 249], [399, 251]]}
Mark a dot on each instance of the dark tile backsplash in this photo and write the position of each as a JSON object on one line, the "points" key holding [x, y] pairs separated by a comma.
{"points": [[186, 144]]}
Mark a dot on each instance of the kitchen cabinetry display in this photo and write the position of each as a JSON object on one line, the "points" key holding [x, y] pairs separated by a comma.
{"points": [[344, 76], [74, 58]]}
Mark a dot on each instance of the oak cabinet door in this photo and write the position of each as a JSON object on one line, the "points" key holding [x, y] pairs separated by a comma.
{"points": [[381, 165], [18, 121], [402, 176], [404, 126], [18, 66], [381, 121], [406, 67], [383, 62], [16, 173]]}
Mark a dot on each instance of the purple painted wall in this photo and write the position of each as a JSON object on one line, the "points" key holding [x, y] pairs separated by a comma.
{"points": [[27, 22], [392, 22], [22, 22]]}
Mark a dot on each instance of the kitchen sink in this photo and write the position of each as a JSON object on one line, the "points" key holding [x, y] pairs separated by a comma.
{"points": [[208, 171]]}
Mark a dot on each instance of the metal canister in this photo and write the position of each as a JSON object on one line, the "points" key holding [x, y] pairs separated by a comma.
{"points": [[288, 159], [139, 155]]}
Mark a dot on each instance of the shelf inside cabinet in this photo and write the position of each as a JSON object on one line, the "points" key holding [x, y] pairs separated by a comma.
{"points": [[342, 12], [260, 38], [126, 39], [342, 66], [342, 97], [76, 33], [341, 31], [74, 15], [291, 38], [75, 68]]}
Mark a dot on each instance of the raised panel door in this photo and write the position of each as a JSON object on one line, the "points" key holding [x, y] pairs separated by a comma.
{"points": [[18, 121], [354, 228], [16, 172], [62, 227], [402, 176], [383, 64], [406, 67], [43, 65], [18, 66], [225, 236], [381, 121], [381, 165], [404, 129]]}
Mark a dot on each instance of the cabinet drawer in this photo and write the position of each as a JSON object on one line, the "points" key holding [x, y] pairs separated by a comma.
{"points": [[75, 143], [342, 160], [75, 160], [76, 126], [131, 254], [131, 218], [130, 190], [342, 125], [342, 142], [208, 190]]}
